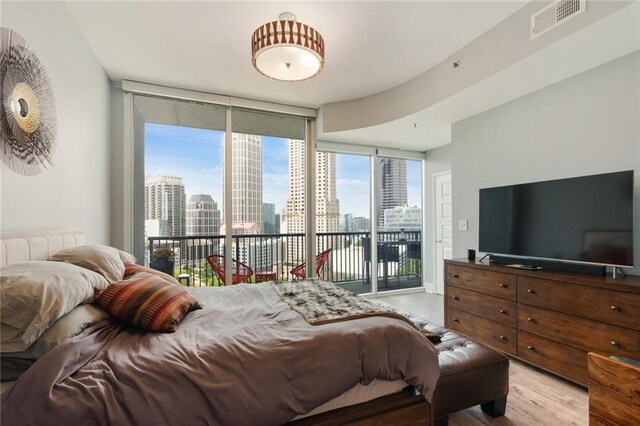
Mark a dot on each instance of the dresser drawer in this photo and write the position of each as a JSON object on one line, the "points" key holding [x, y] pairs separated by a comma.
{"points": [[483, 281], [485, 331], [561, 359], [584, 334], [613, 307], [482, 305]]}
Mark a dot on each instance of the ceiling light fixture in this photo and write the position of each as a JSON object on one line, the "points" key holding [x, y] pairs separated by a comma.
{"points": [[287, 50]]}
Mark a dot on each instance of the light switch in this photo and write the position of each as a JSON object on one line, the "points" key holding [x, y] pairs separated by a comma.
{"points": [[463, 225]]}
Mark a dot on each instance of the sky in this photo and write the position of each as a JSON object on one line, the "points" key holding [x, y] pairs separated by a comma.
{"points": [[195, 155]]}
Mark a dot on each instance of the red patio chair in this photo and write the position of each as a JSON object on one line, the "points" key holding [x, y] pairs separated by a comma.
{"points": [[300, 270], [241, 272]]}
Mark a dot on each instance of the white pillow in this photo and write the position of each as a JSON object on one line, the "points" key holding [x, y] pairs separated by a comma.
{"points": [[13, 364], [107, 261], [33, 295]]}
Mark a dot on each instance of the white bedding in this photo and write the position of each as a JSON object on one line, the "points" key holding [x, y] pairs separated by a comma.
{"points": [[359, 394]]}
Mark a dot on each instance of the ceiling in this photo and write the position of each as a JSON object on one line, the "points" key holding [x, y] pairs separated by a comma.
{"points": [[612, 37], [205, 46]]}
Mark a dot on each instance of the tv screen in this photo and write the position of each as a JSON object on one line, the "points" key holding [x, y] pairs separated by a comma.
{"points": [[584, 219]]}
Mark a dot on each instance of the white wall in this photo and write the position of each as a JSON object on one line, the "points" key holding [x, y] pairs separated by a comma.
{"points": [[75, 192], [587, 124]]}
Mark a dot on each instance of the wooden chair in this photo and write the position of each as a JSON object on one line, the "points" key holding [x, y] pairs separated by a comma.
{"points": [[241, 272], [300, 271]]}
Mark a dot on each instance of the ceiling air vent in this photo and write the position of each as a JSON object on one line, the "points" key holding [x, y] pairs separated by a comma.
{"points": [[555, 14]]}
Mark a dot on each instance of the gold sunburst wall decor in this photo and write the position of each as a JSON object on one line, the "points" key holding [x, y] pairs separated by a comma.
{"points": [[27, 108]]}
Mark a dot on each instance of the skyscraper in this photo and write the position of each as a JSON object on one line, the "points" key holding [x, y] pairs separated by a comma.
{"points": [[203, 216], [247, 180], [165, 206], [327, 204], [293, 213], [268, 218], [391, 186]]}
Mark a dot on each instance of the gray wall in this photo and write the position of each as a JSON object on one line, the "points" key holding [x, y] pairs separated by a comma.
{"points": [[587, 124], [75, 192]]}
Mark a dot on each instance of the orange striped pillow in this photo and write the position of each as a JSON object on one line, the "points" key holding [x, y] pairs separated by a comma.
{"points": [[147, 301]]}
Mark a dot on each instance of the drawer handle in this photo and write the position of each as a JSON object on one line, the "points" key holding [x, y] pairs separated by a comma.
{"points": [[530, 319], [455, 320], [530, 291], [614, 343], [502, 311], [503, 285], [503, 338], [455, 298], [531, 348], [615, 308], [456, 276]]}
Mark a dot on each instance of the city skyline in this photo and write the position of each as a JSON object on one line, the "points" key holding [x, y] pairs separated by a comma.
{"points": [[197, 159]]}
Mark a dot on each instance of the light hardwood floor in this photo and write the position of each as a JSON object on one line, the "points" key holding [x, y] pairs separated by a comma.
{"points": [[535, 397]]}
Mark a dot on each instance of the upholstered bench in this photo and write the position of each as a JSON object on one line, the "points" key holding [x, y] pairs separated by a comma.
{"points": [[470, 374]]}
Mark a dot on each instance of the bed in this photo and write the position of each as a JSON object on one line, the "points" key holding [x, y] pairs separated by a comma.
{"points": [[247, 357]]}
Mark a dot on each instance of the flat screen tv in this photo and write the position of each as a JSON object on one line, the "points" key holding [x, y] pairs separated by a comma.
{"points": [[585, 219]]}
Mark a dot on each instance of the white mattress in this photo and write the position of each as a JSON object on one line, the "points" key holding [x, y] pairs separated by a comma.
{"points": [[359, 394]]}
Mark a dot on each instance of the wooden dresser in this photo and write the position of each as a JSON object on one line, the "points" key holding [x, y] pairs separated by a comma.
{"points": [[547, 318]]}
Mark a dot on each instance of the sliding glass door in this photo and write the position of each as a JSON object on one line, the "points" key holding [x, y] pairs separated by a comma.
{"points": [[343, 219], [399, 223], [268, 193], [377, 244], [178, 179]]}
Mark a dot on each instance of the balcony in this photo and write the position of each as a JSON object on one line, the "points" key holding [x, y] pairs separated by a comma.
{"points": [[349, 265]]}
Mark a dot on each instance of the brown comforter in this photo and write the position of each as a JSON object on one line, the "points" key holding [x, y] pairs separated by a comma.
{"points": [[245, 359]]}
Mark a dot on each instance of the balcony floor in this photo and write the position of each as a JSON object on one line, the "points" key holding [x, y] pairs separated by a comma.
{"points": [[394, 283]]}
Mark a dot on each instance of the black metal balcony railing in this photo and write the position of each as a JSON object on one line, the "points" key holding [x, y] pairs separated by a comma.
{"points": [[399, 257]]}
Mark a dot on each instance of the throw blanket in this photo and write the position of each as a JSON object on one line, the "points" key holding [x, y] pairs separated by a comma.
{"points": [[322, 302], [246, 358]]}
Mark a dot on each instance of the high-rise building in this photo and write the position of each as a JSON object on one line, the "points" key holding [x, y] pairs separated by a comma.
{"points": [[247, 180], [346, 222], [361, 224], [391, 186], [268, 218], [327, 204], [277, 231], [293, 212], [403, 218], [203, 216], [165, 202]]}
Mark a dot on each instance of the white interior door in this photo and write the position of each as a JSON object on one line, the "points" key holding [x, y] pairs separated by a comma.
{"points": [[443, 222]]}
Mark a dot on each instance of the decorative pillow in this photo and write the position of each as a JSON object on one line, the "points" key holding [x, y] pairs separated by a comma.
{"points": [[13, 364], [107, 261], [147, 301], [33, 295]]}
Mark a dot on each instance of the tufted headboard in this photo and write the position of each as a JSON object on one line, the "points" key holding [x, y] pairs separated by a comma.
{"points": [[20, 246]]}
